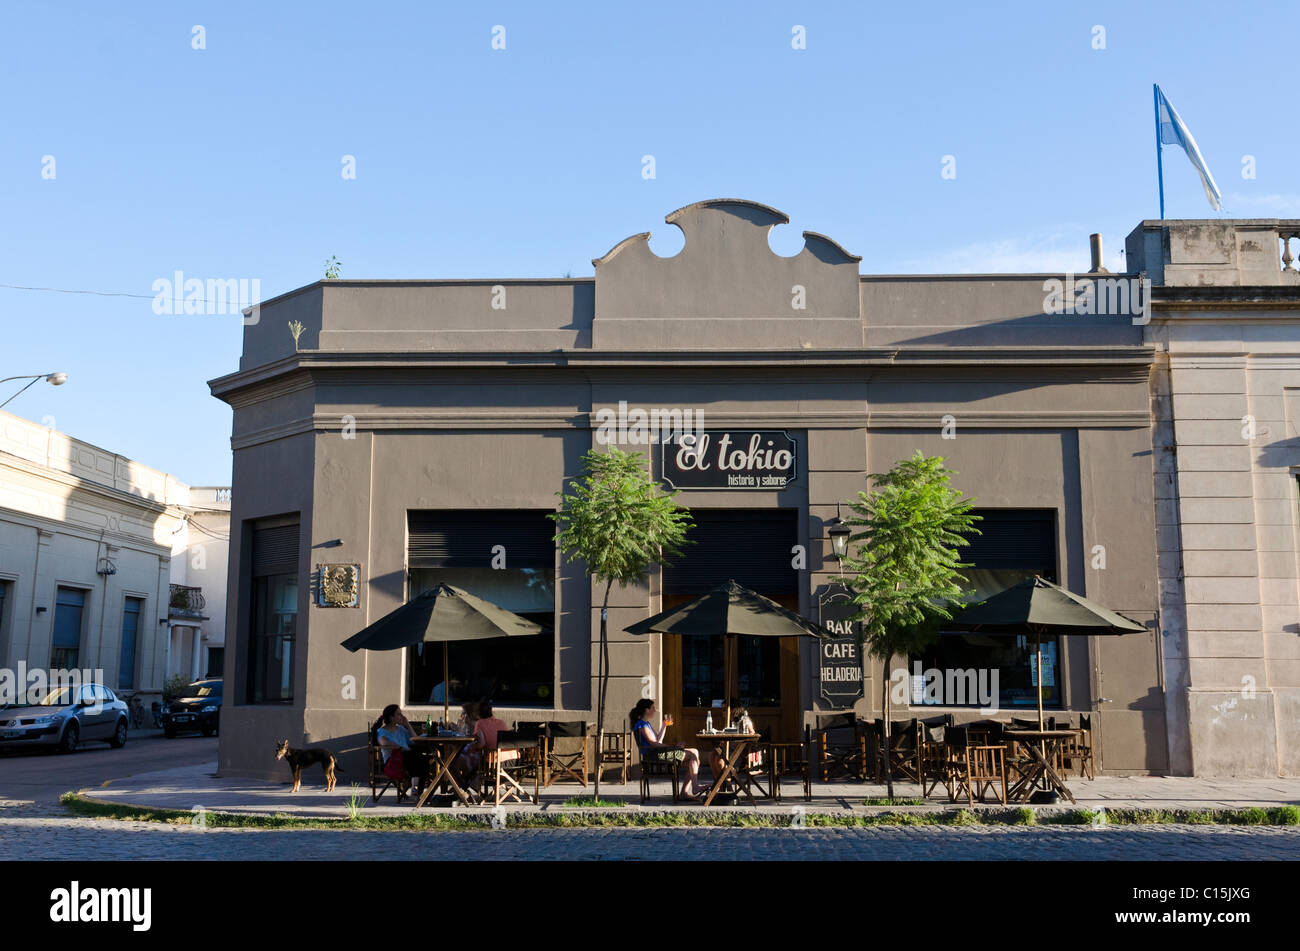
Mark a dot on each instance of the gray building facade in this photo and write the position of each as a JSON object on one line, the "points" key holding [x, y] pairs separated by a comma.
{"points": [[415, 431]]}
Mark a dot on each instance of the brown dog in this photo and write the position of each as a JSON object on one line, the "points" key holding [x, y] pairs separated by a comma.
{"points": [[300, 758]]}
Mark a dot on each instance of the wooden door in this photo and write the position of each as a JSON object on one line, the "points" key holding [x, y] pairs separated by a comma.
{"points": [[764, 679]]}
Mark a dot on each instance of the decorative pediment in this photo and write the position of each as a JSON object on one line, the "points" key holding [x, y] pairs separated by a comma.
{"points": [[728, 270]]}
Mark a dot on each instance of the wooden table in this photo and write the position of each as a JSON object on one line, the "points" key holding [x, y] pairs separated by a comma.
{"points": [[443, 751], [731, 746], [1043, 747]]}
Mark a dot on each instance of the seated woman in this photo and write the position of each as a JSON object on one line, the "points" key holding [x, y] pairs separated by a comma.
{"points": [[468, 718], [393, 734], [654, 749], [486, 728]]}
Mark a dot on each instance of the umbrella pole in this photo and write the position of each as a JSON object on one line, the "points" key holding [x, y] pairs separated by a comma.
{"points": [[727, 644], [1038, 660], [446, 686]]}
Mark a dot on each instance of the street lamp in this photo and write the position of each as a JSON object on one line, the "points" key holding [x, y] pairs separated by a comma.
{"points": [[54, 379], [839, 533]]}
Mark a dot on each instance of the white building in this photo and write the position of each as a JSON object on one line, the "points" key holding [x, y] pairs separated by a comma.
{"points": [[105, 564], [1226, 325]]}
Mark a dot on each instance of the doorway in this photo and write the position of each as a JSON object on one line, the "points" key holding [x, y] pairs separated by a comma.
{"points": [[753, 548]]}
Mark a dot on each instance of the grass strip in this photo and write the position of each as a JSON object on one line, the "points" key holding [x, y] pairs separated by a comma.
{"points": [[591, 802], [430, 821]]}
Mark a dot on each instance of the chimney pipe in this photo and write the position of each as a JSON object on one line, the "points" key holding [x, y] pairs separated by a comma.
{"points": [[1097, 268]]}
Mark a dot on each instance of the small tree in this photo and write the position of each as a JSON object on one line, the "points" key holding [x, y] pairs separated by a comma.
{"points": [[618, 521], [905, 570]]}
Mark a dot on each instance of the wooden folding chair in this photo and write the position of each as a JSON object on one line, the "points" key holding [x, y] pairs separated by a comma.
{"points": [[934, 757], [790, 759], [380, 782], [561, 756], [617, 751], [1078, 748], [501, 770], [904, 754], [974, 770], [841, 747], [657, 768]]}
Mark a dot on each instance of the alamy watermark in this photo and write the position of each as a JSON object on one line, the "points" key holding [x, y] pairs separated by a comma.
{"points": [[1099, 296], [214, 297], [638, 426], [952, 687], [26, 686]]}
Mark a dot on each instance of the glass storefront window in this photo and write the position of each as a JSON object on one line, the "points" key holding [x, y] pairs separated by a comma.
{"points": [[702, 670], [509, 671], [1011, 655], [758, 671], [275, 619]]}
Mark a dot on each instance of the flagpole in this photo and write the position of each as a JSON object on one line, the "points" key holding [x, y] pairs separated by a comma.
{"points": [[1160, 165]]}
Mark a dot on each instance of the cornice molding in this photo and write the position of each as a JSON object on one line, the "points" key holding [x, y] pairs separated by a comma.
{"points": [[325, 424], [128, 503], [48, 528], [299, 371]]}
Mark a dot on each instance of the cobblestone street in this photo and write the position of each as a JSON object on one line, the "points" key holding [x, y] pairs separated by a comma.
{"points": [[48, 837]]}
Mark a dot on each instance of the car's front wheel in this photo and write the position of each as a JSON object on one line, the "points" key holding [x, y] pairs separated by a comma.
{"points": [[119, 736], [71, 733]]}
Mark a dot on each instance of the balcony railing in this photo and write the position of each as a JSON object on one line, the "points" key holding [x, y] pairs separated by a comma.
{"points": [[186, 601], [1288, 232]]}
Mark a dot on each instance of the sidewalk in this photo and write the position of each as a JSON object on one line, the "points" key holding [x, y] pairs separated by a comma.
{"points": [[191, 787]]}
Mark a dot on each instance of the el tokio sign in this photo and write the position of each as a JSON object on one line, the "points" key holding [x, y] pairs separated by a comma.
{"points": [[736, 459], [840, 658]]}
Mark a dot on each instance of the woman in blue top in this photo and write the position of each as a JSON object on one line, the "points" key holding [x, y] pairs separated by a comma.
{"points": [[653, 748], [401, 763]]}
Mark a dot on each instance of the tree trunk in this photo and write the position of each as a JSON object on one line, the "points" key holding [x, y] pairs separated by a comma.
{"points": [[602, 677], [884, 703]]}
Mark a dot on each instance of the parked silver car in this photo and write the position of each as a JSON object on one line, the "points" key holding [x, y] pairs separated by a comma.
{"points": [[66, 717]]}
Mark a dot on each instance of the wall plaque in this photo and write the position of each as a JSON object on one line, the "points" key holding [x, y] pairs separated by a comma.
{"points": [[744, 459], [339, 586], [840, 658]]}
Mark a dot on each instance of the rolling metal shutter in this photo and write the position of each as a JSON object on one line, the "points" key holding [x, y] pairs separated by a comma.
{"points": [[749, 546], [275, 551], [1014, 539], [465, 539]]}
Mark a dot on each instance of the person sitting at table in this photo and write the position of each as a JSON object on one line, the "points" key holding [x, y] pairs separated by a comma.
{"points": [[486, 728], [745, 724], [401, 763], [653, 749], [436, 695], [468, 718]]}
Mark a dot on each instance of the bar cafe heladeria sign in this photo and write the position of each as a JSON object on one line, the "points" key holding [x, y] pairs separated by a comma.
{"points": [[735, 459], [840, 658]]}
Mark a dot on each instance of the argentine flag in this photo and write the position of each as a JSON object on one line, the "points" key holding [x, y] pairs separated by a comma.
{"points": [[1171, 130]]}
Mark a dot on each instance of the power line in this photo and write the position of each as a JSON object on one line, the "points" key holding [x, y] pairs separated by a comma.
{"points": [[65, 290]]}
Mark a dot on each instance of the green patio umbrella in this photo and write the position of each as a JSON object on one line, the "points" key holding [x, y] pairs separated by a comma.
{"points": [[1037, 606], [725, 611], [445, 613]]}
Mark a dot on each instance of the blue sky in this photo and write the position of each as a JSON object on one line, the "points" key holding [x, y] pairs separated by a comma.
{"points": [[226, 162]]}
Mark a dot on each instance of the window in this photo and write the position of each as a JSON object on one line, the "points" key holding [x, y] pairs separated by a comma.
{"points": [[4, 628], [273, 616], [131, 612], [216, 662], [1014, 544], [458, 548], [69, 604]]}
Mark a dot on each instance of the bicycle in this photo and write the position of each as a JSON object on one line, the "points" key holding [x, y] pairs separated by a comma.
{"points": [[136, 707]]}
